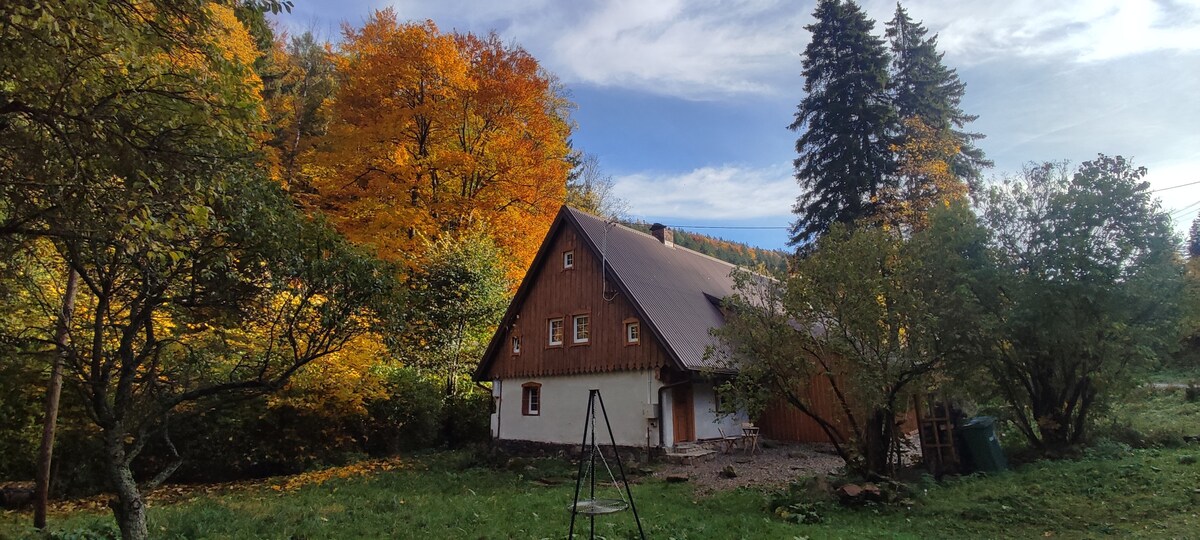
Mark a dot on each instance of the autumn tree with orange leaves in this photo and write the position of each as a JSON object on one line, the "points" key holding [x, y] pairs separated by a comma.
{"points": [[437, 135]]}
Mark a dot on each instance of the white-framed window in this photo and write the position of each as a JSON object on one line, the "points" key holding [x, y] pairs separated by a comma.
{"points": [[531, 399], [633, 332], [516, 344], [581, 328], [556, 331], [568, 259]]}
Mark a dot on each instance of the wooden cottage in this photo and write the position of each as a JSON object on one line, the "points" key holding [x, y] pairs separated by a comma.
{"points": [[638, 332]]}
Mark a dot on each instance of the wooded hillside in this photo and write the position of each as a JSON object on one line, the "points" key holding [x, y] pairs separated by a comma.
{"points": [[726, 250]]}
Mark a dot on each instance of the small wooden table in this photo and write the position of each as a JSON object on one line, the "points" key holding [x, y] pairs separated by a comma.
{"points": [[750, 436]]}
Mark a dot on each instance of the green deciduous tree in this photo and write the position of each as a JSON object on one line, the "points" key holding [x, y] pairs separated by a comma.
{"points": [[180, 313], [846, 121], [868, 314], [1086, 290], [458, 296]]}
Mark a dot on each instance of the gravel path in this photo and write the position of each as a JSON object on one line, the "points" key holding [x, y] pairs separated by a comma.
{"points": [[771, 467]]}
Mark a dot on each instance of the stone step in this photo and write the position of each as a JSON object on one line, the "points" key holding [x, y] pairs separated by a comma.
{"points": [[689, 454]]}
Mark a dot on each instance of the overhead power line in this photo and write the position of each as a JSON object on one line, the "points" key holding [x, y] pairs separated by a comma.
{"points": [[1173, 187], [1185, 210], [724, 227]]}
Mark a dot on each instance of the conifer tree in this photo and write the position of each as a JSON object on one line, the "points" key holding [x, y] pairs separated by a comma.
{"points": [[923, 87], [845, 120], [1193, 244]]}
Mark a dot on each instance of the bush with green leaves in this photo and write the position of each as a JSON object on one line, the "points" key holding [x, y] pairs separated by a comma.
{"points": [[410, 416], [1083, 291]]}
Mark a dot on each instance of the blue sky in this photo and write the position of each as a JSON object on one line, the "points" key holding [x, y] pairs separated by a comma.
{"points": [[685, 103]]}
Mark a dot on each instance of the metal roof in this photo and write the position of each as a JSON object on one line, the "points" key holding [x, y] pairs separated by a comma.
{"points": [[671, 286]]}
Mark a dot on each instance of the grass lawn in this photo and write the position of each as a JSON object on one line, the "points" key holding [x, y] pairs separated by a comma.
{"points": [[1112, 492], [1176, 375], [1143, 493], [1160, 416]]}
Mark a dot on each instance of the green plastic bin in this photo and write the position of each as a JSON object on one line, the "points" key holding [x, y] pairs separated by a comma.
{"points": [[979, 436]]}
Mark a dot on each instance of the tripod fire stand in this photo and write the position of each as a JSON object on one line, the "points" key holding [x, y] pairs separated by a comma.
{"points": [[589, 452]]}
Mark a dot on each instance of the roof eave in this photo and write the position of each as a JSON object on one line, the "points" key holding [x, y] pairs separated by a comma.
{"points": [[531, 274]]}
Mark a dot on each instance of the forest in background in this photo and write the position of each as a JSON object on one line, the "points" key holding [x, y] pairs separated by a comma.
{"points": [[729, 251]]}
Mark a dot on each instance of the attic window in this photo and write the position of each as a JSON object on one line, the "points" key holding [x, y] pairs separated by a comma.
{"points": [[633, 333], [516, 344], [556, 332], [531, 399], [568, 260]]}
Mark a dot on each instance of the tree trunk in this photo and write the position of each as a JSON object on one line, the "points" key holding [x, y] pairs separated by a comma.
{"points": [[53, 393], [877, 444], [1053, 425], [128, 508]]}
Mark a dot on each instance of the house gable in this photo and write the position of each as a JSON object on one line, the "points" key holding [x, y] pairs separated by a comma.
{"points": [[552, 291]]}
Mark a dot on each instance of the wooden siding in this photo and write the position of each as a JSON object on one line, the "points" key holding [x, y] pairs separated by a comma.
{"points": [[783, 422], [557, 292]]}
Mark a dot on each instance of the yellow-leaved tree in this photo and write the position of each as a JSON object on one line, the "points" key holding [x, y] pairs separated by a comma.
{"points": [[924, 166]]}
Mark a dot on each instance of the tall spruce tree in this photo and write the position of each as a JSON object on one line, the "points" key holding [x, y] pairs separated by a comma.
{"points": [[845, 120], [923, 87], [1193, 245]]}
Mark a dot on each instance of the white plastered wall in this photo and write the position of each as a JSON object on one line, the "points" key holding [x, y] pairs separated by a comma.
{"points": [[628, 397], [708, 422]]}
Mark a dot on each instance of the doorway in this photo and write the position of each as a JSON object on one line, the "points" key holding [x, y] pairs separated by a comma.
{"points": [[683, 414]]}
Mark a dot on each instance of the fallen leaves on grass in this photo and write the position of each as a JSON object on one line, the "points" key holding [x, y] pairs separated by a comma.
{"points": [[362, 468], [174, 493]]}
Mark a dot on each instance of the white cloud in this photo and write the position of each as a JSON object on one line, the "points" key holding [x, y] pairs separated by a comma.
{"points": [[703, 49], [724, 192], [695, 49], [1078, 30], [687, 49]]}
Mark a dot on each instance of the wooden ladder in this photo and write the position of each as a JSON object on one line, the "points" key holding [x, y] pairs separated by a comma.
{"points": [[936, 428]]}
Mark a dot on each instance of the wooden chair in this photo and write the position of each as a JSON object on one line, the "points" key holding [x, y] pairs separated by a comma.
{"points": [[729, 440], [750, 436]]}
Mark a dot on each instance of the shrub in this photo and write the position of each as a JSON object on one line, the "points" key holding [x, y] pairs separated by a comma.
{"points": [[467, 417], [256, 439], [802, 501], [22, 391], [409, 417], [98, 532]]}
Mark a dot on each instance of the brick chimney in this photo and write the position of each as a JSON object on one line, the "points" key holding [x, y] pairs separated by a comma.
{"points": [[663, 234]]}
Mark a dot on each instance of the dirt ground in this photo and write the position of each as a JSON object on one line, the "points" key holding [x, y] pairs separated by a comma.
{"points": [[770, 467]]}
